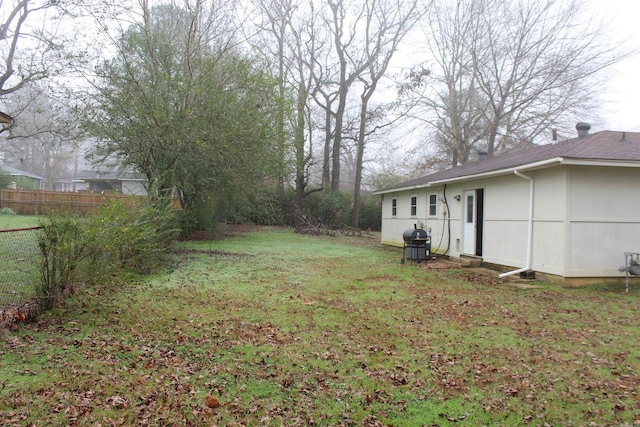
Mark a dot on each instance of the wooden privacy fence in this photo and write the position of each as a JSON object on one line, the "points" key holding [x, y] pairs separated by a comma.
{"points": [[37, 202]]}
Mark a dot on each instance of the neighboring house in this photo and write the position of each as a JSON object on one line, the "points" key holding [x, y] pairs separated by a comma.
{"points": [[22, 177], [569, 210], [66, 185], [110, 182]]}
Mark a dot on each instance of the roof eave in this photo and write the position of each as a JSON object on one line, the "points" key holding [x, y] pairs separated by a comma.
{"points": [[398, 189], [508, 171], [601, 162], [489, 174]]}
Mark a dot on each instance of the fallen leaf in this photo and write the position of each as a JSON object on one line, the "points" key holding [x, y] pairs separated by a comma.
{"points": [[211, 402], [117, 401]]}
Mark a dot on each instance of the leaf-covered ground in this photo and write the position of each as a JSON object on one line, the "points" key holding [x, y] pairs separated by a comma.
{"points": [[273, 328]]}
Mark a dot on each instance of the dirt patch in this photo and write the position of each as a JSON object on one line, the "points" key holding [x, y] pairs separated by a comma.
{"points": [[189, 251], [438, 264], [235, 229], [479, 275]]}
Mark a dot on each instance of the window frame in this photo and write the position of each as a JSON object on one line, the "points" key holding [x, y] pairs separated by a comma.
{"points": [[394, 207], [413, 205], [432, 204]]}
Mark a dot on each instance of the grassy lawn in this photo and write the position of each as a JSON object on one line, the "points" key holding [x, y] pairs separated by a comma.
{"points": [[273, 328], [19, 259], [8, 222]]}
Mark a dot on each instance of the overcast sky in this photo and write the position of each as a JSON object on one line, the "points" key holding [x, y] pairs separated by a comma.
{"points": [[622, 112]]}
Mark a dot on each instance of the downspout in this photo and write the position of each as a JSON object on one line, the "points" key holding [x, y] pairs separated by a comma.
{"points": [[445, 220], [527, 267]]}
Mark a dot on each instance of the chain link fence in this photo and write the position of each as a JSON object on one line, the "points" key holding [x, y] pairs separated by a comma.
{"points": [[19, 272]]}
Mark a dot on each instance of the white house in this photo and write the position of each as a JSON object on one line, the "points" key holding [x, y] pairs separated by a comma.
{"points": [[568, 211]]}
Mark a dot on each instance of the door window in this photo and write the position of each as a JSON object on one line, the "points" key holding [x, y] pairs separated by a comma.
{"points": [[470, 209]]}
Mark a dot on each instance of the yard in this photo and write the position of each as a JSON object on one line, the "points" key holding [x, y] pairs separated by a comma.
{"points": [[267, 327], [19, 259], [8, 222]]}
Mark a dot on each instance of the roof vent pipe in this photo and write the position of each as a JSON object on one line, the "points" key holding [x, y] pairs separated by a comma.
{"points": [[483, 154], [583, 129]]}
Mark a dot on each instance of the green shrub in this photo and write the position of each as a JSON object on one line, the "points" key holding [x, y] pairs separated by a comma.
{"points": [[21, 182], [94, 248], [63, 247], [5, 180], [134, 238], [260, 206], [202, 217], [370, 212], [7, 211], [265, 208], [334, 209]]}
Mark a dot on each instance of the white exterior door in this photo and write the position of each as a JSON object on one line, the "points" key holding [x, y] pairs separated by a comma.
{"points": [[469, 232]]}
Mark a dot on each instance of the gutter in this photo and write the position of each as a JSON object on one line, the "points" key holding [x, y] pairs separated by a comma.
{"points": [[394, 190], [527, 266]]}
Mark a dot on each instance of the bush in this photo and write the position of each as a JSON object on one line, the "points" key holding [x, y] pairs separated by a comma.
{"points": [[7, 211], [334, 209], [266, 208], [63, 248], [370, 212], [260, 207], [5, 180], [93, 249], [134, 238]]}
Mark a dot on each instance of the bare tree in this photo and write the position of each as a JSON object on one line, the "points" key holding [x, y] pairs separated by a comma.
{"points": [[291, 41], [387, 23], [448, 93], [44, 138], [506, 72], [325, 101], [363, 38], [29, 50], [324, 97], [273, 29], [345, 23]]}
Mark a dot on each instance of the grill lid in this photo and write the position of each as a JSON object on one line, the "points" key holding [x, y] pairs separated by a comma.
{"points": [[413, 234]]}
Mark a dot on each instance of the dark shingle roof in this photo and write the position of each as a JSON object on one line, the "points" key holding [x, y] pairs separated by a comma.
{"points": [[600, 146], [17, 172]]}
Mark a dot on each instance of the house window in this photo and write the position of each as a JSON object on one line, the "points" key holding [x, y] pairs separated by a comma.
{"points": [[414, 205], [433, 204], [394, 207]]}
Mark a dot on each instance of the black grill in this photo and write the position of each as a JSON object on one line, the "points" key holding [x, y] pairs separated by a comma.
{"points": [[417, 245]]}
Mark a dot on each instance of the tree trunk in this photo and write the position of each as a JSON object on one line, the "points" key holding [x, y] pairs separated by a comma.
{"points": [[337, 138], [299, 140], [326, 165], [355, 216]]}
